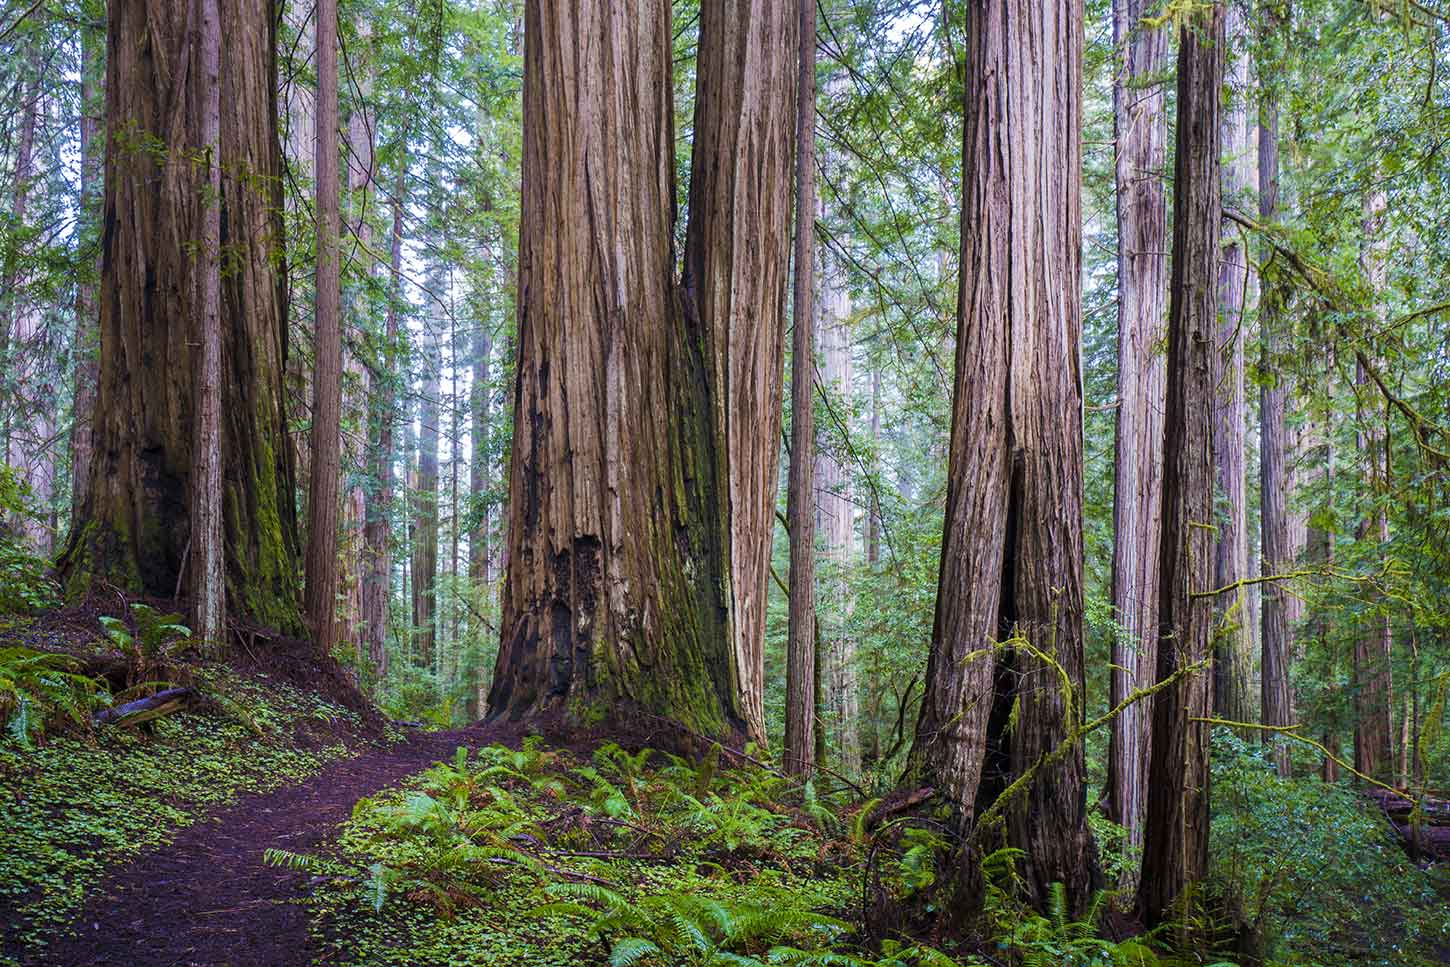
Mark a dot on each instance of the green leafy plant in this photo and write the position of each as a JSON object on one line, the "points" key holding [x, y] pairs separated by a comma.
{"points": [[24, 586], [680, 929], [36, 687], [152, 650]]}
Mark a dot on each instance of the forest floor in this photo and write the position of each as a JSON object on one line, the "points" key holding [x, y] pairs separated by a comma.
{"points": [[208, 898]]}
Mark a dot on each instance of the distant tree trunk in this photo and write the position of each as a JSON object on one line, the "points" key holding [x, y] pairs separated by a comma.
{"points": [[84, 352], [478, 471], [873, 517], [1012, 547], [737, 253], [208, 579], [1175, 853], [1319, 551], [1373, 702], [1233, 637], [1277, 550], [357, 378], [382, 417], [133, 529], [326, 445], [801, 658], [425, 500], [1140, 122], [27, 448], [619, 597], [834, 508]]}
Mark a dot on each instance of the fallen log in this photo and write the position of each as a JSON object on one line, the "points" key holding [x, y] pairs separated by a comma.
{"points": [[1433, 812], [155, 706]]}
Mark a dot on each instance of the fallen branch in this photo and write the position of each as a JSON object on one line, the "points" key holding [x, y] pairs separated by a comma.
{"points": [[145, 709]]}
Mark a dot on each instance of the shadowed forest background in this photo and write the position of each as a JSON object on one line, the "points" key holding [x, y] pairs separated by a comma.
{"points": [[753, 481]]}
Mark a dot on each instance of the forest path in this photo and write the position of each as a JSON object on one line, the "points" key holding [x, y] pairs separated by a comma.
{"points": [[208, 899]]}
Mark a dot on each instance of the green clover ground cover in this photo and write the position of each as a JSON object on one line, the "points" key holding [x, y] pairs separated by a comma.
{"points": [[77, 805]]}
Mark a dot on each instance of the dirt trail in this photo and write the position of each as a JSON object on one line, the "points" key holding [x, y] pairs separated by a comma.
{"points": [[208, 899]]}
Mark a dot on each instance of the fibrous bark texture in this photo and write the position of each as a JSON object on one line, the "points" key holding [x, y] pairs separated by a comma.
{"points": [[326, 439], [802, 661], [735, 270], [208, 577], [1012, 547], [1233, 633], [135, 525], [1175, 854], [1276, 631], [620, 595], [1140, 121]]}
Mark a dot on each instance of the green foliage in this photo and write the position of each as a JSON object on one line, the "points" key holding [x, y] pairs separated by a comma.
{"points": [[684, 929], [24, 586], [73, 807], [1314, 868], [153, 648], [37, 687]]}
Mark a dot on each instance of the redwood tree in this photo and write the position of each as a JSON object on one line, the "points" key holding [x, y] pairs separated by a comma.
{"points": [[1140, 122], [326, 439], [1012, 549], [627, 579], [134, 527], [802, 659], [1175, 854], [1276, 632]]}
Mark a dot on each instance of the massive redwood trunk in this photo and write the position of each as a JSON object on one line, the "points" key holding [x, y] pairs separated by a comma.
{"points": [[1012, 548], [133, 529], [1141, 125], [1175, 854], [624, 571], [737, 256]]}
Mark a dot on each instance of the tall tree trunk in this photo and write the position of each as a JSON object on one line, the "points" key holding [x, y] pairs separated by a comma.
{"points": [[208, 579], [326, 439], [1140, 122], [834, 508], [84, 351], [1012, 548], [802, 660], [873, 525], [357, 379], [133, 528], [382, 417], [1175, 852], [1373, 702], [737, 252], [623, 578], [1233, 638], [479, 572], [1277, 549], [27, 446], [425, 498]]}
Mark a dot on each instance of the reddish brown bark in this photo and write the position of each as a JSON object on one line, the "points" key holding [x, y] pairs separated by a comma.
{"points": [[134, 527], [1140, 122], [1175, 854], [1011, 567]]}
